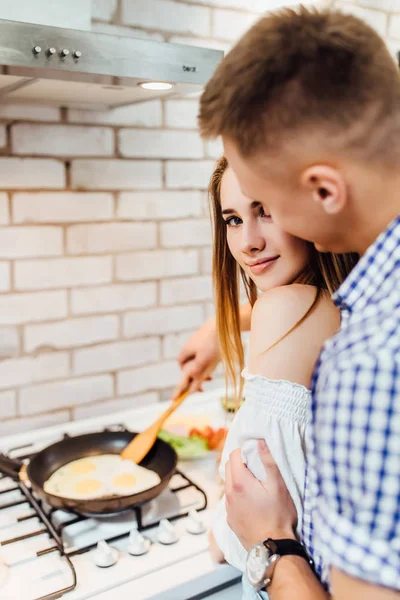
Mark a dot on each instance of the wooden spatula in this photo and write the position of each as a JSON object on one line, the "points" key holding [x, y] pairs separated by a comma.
{"points": [[143, 443]]}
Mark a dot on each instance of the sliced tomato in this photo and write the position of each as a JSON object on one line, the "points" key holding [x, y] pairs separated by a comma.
{"points": [[195, 432], [207, 432], [218, 438], [215, 438]]}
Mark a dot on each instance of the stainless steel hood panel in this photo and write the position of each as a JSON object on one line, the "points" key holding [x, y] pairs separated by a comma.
{"points": [[99, 70]]}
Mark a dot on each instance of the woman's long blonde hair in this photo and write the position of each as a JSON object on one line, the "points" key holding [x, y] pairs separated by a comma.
{"points": [[326, 271]]}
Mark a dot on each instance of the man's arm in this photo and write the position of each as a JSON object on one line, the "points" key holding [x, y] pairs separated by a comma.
{"points": [[293, 578], [201, 353], [292, 573], [257, 511], [346, 587]]}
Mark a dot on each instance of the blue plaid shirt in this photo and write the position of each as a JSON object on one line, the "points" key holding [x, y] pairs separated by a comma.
{"points": [[352, 496]]}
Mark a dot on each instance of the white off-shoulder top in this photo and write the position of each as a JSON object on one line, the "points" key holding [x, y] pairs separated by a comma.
{"points": [[276, 411]]}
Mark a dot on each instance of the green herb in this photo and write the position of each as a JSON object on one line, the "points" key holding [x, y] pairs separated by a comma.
{"points": [[185, 447]]}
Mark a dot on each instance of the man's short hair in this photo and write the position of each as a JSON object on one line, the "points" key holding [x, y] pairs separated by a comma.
{"points": [[304, 70]]}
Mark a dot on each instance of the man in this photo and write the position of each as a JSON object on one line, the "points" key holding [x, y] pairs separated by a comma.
{"points": [[308, 107]]}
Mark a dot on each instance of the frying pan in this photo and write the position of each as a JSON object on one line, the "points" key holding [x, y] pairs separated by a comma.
{"points": [[162, 459]]}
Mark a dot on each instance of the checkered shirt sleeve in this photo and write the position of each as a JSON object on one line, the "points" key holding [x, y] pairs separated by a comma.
{"points": [[357, 452]]}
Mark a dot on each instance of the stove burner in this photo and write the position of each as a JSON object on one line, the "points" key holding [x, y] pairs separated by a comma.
{"points": [[57, 524]]}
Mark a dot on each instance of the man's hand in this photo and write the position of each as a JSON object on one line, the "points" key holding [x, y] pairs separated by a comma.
{"points": [[198, 358], [256, 510]]}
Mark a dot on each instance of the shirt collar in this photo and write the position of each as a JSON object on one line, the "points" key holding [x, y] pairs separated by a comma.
{"points": [[381, 260]]}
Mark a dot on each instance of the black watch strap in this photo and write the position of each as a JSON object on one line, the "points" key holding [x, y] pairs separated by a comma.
{"points": [[288, 547]]}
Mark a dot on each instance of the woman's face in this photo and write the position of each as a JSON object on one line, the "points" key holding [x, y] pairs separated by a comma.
{"points": [[265, 252]]}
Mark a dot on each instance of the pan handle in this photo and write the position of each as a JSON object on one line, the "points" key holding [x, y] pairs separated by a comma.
{"points": [[10, 466]]}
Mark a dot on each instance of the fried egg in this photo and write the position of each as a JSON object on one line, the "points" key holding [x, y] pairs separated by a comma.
{"points": [[88, 488], [82, 467], [100, 476], [132, 479]]}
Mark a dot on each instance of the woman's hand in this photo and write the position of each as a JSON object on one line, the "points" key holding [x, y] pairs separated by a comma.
{"points": [[198, 358], [255, 510]]}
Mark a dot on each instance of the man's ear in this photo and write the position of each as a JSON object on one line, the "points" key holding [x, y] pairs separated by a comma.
{"points": [[326, 186]]}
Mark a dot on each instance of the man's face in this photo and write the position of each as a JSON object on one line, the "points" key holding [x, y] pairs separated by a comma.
{"points": [[290, 205]]}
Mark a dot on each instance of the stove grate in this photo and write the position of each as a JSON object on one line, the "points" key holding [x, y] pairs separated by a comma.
{"points": [[55, 531], [48, 528]]}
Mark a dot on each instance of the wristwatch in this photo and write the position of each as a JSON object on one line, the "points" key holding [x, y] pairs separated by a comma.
{"points": [[262, 558]]}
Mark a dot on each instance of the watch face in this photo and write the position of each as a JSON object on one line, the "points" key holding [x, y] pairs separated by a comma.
{"points": [[257, 562]]}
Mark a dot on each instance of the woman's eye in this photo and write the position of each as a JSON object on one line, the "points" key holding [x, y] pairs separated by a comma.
{"points": [[233, 221]]}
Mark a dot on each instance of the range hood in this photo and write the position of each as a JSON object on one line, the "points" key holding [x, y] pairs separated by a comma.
{"points": [[67, 67]]}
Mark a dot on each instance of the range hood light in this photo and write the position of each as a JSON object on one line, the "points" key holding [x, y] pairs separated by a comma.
{"points": [[156, 85]]}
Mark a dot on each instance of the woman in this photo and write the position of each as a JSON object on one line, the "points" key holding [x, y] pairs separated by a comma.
{"points": [[291, 319]]}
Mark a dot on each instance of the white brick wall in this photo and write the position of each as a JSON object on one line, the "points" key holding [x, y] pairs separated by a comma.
{"points": [[214, 148], [21, 425], [115, 174], [394, 28], [157, 264], [26, 308], [105, 254], [231, 25], [178, 234], [103, 9], [71, 392], [45, 367], [20, 242], [70, 333], [162, 320], [159, 205], [31, 173], [105, 408], [160, 144], [110, 357], [144, 114], [9, 342], [4, 212], [185, 174], [111, 237], [62, 272], [167, 15], [181, 113], [206, 261], [4, 277], [3, 136], [173, 343], [181, 291], [62, 140], [8, 404], [61, 207], [253, 5], [153, 377], [113, 298]]}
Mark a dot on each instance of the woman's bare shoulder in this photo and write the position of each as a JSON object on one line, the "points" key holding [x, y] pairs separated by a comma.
{"points": [[279, 309], [282, 345], [285, 302]]}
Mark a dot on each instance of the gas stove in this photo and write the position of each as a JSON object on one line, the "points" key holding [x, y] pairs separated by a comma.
{"points": [[48, 554]]}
